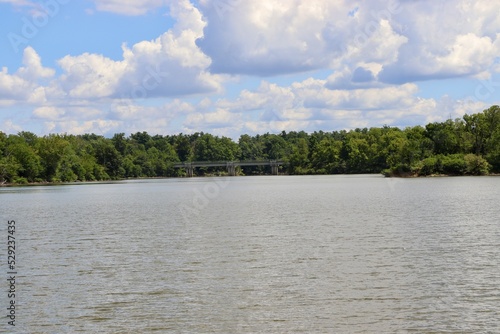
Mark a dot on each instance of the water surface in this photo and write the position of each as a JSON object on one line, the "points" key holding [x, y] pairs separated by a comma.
{"points": [[315, 254]]}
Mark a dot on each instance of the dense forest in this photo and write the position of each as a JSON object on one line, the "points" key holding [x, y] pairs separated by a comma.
{"points": [[465, 146]]}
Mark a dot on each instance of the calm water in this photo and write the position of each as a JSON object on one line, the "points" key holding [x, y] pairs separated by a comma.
{"points": [[323, 254]]}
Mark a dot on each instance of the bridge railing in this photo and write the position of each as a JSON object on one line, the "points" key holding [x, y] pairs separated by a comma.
{"points": [[226, 163]]}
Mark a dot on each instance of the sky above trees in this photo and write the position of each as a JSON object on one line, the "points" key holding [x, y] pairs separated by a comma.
{"points": [[230, 67]]}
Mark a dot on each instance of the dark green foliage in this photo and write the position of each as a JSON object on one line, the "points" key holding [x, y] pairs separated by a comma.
{"points": [[467, 146], [453, 164], [430, 166]]}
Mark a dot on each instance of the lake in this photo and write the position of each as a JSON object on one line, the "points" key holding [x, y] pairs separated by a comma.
{"points": [[265, 254]]}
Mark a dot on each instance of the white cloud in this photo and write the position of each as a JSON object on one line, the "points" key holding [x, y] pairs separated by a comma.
{"points": [[130, 111], [9, 126], [407, 40], [18, 2], [48, 112], [12, 86], [470, 52], [309, 105], [38, 10], [129, 118], [171, 65], [218, 119], [311, 94], [128, 7], [446, 39], [268, 37], [90, 75], [97, 126], [67, 113], [21, 85]]}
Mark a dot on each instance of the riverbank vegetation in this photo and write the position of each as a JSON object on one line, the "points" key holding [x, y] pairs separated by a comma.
{"points": [[465, 146]]}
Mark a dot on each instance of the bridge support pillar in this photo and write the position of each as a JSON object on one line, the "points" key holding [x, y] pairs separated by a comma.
{"points": [[274, 168], [189, 170], [231, 169]]}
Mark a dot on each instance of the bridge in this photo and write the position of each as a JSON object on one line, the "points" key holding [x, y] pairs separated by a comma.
{"points": [[230, 165]]}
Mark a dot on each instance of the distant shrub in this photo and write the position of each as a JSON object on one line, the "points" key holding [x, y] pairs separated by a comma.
{"points": [[493, 159], [453, 164], [402, 170], [21, 180], [476, 165], [429, 166], [67, 175]]}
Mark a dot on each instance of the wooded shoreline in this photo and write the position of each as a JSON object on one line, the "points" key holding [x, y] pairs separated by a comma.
{"points": [[465, 146]]}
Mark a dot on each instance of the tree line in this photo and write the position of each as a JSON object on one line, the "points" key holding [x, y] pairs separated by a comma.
{"points": [[465, 146]]}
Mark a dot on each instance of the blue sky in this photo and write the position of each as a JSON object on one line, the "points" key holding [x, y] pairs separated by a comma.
{"points": [[230, 67]]}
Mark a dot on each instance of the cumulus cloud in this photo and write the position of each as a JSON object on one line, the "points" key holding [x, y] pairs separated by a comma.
{"points": [[10, 126], [313, 94], [131, 111], [48, 112], [98, 126], [218, 119], [464, 42], [407, 40], [309, 105], [90, 75], [33, 69], [99, 118], [23, 84], [267, 37], [171, 65]]}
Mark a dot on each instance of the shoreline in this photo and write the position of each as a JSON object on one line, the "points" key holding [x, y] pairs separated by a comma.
{"points": [[414, 176], [35, 184]]}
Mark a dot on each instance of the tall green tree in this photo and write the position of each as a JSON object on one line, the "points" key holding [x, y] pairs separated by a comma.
{"points": [[299, 157], [108, 157], [326, 157], [51, 150], [445, 136]]}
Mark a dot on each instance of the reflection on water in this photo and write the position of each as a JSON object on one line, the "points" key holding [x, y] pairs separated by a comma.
{"points": [[324, 254]]}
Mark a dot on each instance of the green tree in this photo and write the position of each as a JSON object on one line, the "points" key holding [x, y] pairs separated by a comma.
{"points": [[29, 160], [445, 136], [120, 143], [141, 138], [51, 150], [211, 148], [275, 147], [355, 152], [299, 159], [326, 156], [485, 131], [476, 165], [9, 168], [108, 157], [184, 147], [25, 155], [250, 147]]}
